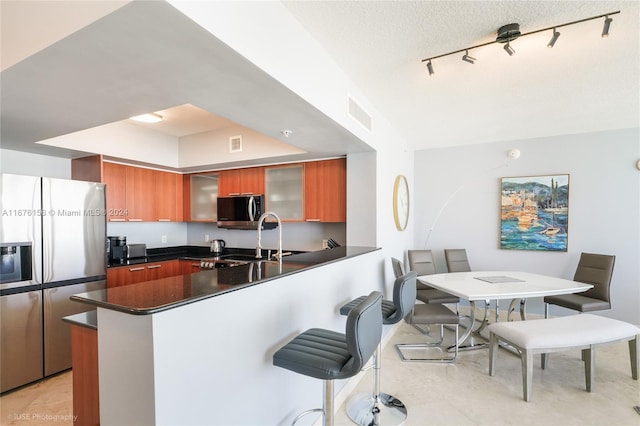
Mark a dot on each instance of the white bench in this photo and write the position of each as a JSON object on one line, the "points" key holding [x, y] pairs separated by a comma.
{"points": [[542, 336]]}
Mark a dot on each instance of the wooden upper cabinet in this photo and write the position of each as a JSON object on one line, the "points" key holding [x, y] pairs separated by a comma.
{"points": [[325, 191], [228, 183], [168, 196], [252, 180], [241, 181], [141, 195], [134, 193], [115, 177]]}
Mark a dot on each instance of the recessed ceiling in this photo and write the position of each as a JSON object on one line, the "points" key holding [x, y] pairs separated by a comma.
{"points": [[149, 57], [185, 120]]}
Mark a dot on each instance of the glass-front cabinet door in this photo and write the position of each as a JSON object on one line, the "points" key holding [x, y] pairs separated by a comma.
{"points": [[284, 191], [204, 197]]}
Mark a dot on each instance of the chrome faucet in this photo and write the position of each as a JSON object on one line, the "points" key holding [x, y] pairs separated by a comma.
{"points": [[259, 246]]}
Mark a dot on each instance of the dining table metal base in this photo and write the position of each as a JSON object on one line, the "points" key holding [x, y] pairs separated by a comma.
{"points": [[468, 340]]}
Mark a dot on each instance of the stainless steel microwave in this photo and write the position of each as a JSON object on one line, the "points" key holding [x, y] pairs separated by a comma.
{"points": [[241, 212]]}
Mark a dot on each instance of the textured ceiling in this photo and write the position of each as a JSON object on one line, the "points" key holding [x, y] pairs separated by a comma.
{"points": [[578, 86]]}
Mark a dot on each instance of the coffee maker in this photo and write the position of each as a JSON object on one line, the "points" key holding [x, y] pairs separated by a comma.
{"points": [[117, 250]]}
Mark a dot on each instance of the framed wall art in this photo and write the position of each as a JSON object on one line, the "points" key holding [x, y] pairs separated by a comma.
{"points": [[534, 213]]}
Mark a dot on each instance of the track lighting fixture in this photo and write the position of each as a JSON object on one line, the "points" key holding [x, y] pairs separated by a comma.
{"points": [[554, 38], [510, 32], [607, 24], [509, 49], [468, 58]]}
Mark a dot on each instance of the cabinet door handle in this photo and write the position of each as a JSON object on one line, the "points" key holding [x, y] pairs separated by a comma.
{"points": [[313, 220], [154, 266], [164, 220], [116, 220], [234, 193], [135, 220], [195, 264], [246, 193], [136, 269]]}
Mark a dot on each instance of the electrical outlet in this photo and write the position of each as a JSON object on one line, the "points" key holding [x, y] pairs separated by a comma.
{"points": [[325, 244], [206, 238], [164, 238]]}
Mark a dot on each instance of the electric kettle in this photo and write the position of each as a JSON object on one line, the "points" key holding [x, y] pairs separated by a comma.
{"points": [[217, 246]]}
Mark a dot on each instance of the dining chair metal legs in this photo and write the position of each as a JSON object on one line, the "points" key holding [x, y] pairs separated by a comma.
{"points": [[430, 314]]}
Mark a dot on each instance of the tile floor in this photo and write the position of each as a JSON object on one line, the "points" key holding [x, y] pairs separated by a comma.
{"points": [[436, 394]]}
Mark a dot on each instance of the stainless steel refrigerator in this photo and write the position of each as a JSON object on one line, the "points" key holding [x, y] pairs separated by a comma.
{"points": [[52, 245]]}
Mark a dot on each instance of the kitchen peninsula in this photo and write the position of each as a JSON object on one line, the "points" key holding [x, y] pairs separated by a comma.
{"points": [[195, 349]]}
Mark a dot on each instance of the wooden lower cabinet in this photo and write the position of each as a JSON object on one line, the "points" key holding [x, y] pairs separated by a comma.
{"points": [[190, 266], [159, 270], [131, 274], [84, 361]]}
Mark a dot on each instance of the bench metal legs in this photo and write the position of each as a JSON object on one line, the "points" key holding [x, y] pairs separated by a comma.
{"points": [[634, 351]]}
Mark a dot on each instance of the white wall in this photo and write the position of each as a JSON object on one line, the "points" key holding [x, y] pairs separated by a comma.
{"points": [[150, 233], [211, 362], [302, 236], [458, 197], [25, 163]]}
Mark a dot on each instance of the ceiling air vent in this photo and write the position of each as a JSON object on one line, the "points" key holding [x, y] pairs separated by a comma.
{"points": [[235, 144], [358, 113]]}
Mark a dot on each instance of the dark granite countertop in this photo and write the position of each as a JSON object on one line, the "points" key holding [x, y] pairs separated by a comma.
{"points": [[184, 252], [83, 319], [154, 296], [167, 253]]}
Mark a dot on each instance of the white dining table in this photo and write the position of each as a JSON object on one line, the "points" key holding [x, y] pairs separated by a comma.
{"points": [[498, 285]]}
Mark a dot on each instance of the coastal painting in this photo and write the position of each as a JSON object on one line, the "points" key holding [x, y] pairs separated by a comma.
{"points": [[534, 213]]}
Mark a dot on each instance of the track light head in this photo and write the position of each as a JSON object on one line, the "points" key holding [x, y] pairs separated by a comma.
{"points": [[607, 25], [554, 38], [468, 58], [430, 67], [509, 49]]}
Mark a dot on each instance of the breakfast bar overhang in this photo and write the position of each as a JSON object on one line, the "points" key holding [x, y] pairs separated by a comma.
{"points": [[197, 349]]}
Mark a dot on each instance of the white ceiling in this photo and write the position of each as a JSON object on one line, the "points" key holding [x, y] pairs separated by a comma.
{"points": [[134, 60], [578, 86]]}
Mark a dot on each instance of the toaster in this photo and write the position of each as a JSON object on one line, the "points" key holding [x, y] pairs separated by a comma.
{"points": [[136, 250]]}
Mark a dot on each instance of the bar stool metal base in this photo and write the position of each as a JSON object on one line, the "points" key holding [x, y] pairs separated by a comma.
{"points": [[362, 409]]}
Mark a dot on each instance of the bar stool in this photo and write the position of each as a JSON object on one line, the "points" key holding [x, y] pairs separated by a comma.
{"points": [[329, 355], [379, 408]]}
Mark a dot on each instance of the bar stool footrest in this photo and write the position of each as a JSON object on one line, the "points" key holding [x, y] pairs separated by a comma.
{"points": [[362, 410]]}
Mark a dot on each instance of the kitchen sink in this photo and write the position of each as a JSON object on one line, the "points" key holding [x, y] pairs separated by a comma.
{"points": [[243, 257]]}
